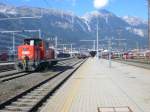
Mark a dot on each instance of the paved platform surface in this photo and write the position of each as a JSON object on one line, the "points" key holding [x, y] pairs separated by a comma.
{"points": [[97, 88]]}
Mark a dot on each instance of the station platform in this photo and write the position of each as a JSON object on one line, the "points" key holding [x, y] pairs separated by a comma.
{"points": [[95, 87]]}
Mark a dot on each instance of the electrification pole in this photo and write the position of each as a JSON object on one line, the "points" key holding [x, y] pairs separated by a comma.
{"points": [[63, 48], [94, 42], [56, 39], [71, 50], [109, 47], [149, 24], [39, 33], [14, 45], [97, 39]]}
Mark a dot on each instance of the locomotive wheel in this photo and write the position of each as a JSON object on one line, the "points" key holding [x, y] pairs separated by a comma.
{"points": [[54, 63], [33, 68], [43, 66], [19, 67]]}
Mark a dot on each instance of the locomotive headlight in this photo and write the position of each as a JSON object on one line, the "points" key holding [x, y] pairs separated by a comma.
{"points": [[25, 52], [23, 56]]}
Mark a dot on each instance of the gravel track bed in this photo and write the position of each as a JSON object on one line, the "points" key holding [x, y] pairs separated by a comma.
{"points": [[16, 86]]}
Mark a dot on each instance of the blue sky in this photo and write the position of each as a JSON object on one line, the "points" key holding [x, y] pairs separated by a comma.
{"points": [[80, 7]]}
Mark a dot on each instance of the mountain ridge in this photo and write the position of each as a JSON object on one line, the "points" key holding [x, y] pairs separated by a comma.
{"points": [[70, 27]]}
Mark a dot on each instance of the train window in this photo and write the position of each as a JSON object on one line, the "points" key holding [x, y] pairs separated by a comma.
{"points": [[32, 42], [26, 42], [46, 45], [38, 43]]}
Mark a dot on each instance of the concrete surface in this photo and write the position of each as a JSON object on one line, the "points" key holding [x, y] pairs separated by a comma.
{"points": [[97, 88]]}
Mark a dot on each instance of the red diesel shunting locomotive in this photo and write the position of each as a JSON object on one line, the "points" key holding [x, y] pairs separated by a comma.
{"points": [[35, 54]]}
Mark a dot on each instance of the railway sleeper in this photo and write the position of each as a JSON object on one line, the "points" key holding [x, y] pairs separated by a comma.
{"points": [[18, 109], [23, 103], [34, 98]]}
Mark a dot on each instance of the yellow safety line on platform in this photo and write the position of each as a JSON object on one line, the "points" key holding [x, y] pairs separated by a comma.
{"points": [[72, 92]]}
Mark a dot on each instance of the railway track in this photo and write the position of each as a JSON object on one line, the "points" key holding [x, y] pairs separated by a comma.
{"points": [[31, 99], [15, 75], [3, 75], [134, 63], [12, 76], [6, 70], [4, 67]]}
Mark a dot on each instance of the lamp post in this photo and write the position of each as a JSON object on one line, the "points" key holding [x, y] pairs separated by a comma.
{"points": [[97, 39]]}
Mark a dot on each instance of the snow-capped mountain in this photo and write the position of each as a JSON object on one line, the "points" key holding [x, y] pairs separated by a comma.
{"points": [[138, 31], [101, 13], [137, 25], [134, 21], [7, 9], [70, 27]]}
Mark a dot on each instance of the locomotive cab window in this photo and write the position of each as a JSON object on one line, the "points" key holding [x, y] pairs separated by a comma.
{"points": [[33, 42], [26, 42], [38, 42]]}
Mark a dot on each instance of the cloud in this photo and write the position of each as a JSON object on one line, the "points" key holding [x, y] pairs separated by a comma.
{"points": [[100, 3]]}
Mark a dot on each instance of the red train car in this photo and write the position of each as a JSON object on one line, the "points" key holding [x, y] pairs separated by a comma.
{"points": [[35, 54], [4, 57]]}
